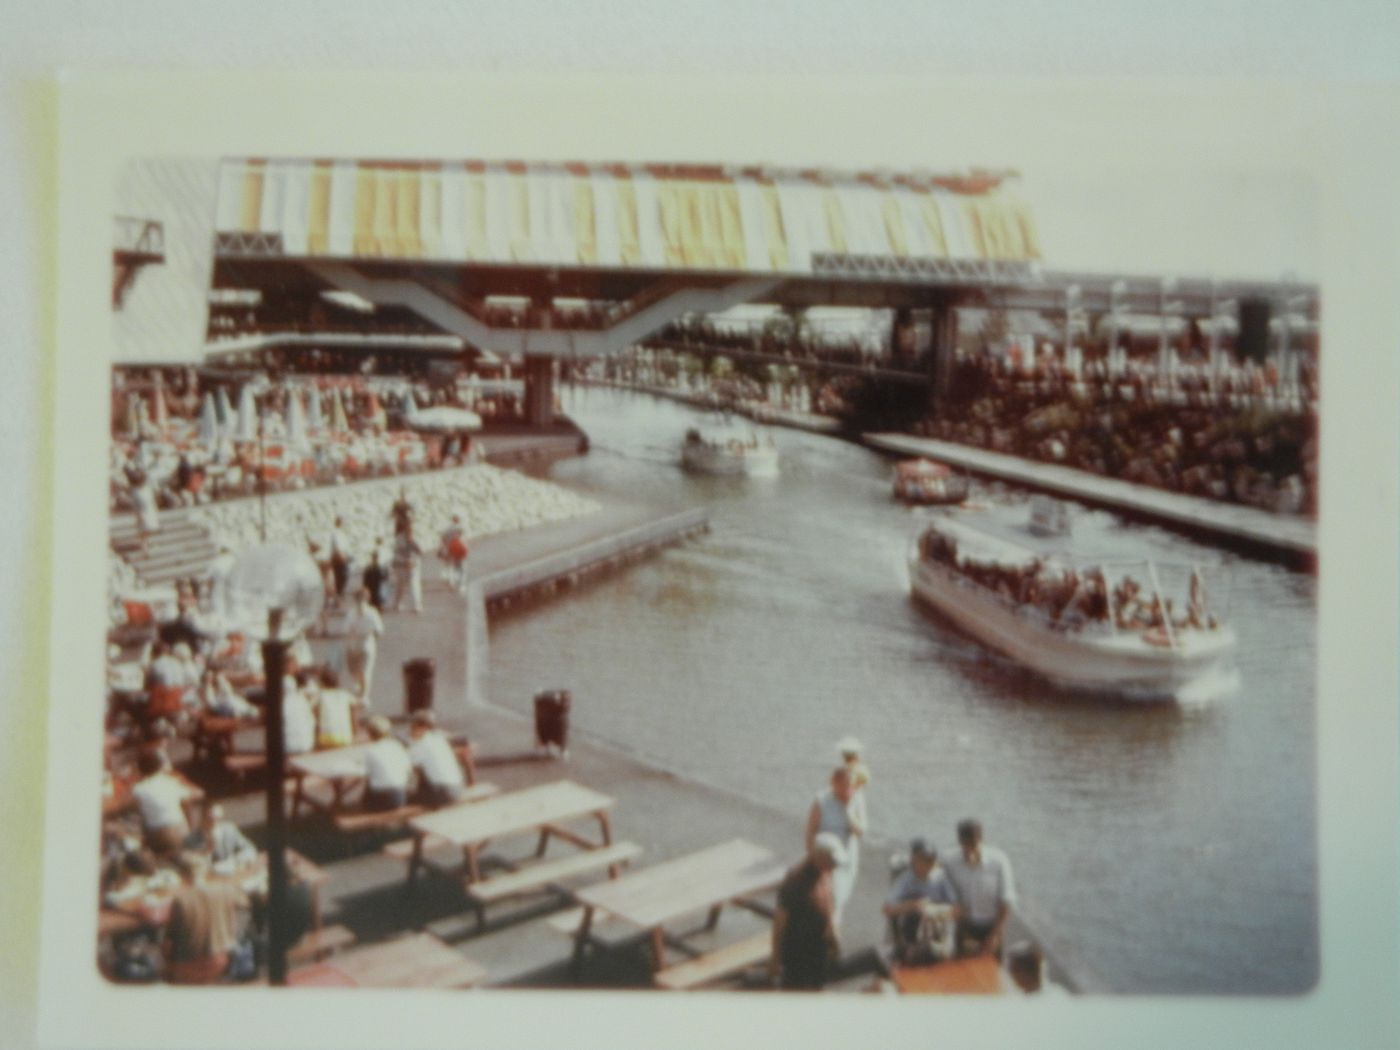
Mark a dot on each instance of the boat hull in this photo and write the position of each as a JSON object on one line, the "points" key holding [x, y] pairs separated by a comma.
{"points": [[1197, 669], [761, 462]]}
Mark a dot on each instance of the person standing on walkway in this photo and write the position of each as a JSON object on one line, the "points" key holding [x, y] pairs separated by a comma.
{"points": [[362, 630], [453, 551], [981, 877], [143, 495], [338, 548], [375, 578], [805, 941], [402, 512], [408, 572], [836, 812]]}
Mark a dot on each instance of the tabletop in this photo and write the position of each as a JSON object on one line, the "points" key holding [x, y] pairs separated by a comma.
{"points": [[687, 884], [975, 975], [469, 823], [419, 960], [337, 763]]}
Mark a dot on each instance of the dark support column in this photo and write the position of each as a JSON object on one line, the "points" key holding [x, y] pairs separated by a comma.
{"points": [[539, 390], [943, 346], [274, 652]]}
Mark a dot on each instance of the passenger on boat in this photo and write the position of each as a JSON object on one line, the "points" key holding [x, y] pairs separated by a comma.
{"points": [[922, 907]]}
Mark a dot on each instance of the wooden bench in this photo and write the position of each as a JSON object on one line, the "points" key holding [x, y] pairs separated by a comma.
{"points": [[393, 818], [213, 736], [317, 944], [377, 819], [540, 875], [240, 765], [710, 967]]}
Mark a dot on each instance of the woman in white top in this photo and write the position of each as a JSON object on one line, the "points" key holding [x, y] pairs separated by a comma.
{"points": [[219, 698], [836, 810], [362, 629]]}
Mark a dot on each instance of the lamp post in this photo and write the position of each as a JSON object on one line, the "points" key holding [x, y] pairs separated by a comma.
{"points": [[275, 592]]}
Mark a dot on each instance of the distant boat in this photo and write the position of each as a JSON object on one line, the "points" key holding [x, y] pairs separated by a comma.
{"points": [[1106, 627], [729, 453], [1049, 517], [926, 482]]}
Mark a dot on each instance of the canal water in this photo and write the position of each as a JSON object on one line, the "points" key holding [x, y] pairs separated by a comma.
{"points": [[1171, 849]]}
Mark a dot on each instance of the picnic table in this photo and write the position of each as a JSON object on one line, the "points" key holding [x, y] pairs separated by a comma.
{"points": [[657, 896], [543, 809], [419, 960], [975, 975], [342, 767]]}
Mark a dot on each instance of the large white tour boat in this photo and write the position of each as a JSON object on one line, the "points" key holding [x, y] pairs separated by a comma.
{"points": [[730, 452], [1101, 626]]}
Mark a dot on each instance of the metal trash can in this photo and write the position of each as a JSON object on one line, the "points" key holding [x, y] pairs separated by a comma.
{"points": [[418, 684], [552, 719]]}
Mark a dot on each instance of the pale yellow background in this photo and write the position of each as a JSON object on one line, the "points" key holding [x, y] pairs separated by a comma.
{"points": [[1338, 140]]}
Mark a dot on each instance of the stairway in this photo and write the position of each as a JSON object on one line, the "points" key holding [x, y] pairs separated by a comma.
{"points": [[181, 549]]}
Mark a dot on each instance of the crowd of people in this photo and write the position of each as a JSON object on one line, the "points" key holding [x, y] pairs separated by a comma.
{"points": [[1074, 599], [1224, 444], [180, 441]]}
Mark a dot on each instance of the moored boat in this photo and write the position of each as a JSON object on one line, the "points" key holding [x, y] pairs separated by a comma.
{"points": [[729, 453], [926, 482], [1100, 626]]}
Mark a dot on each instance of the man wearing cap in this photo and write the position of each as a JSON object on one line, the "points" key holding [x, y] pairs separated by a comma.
{"points": [[920, 901], [433, 757], [981, 877], [804, 928], [387, 769]]}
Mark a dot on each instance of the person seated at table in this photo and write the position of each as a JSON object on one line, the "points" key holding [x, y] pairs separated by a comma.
{"points": [[804, 923], [298, 718], [1025, 962], [222, 700], [221, 838], [441, 780], [335, 712], [388, 769], [205, 923], [922, 907], [167, 679], [164, 802], [986, 890]]}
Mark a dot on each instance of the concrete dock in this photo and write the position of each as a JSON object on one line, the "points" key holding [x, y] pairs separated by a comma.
{"points": [[1291, 537], [668, 816]]}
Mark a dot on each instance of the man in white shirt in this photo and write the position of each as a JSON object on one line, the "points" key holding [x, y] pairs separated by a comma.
{"points": [[387, 769], [981, 876], [298, 719], [433, 757], [362, 630], [164, 802]]}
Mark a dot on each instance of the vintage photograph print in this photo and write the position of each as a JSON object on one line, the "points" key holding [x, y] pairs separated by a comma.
{"points": [[704, 573]]}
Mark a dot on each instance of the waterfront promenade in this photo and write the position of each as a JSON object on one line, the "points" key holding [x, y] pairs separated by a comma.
{"points": [[1291, 536]]}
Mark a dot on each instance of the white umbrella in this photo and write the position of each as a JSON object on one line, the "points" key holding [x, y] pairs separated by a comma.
{"points": [[208, 422], [247, 417], [296, 421], [133, 415], [338, 420], [314, 419], [227, 423]]}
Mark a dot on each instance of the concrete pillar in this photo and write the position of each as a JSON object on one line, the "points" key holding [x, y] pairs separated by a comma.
{"points": [[539, 390], [944, 346]]}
